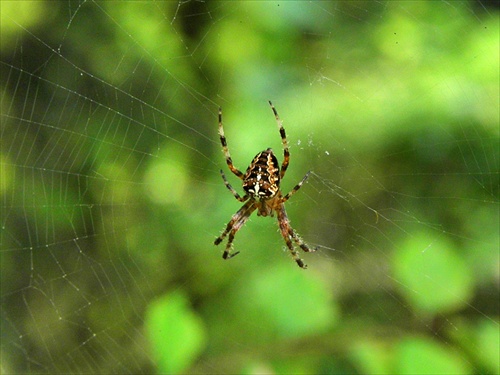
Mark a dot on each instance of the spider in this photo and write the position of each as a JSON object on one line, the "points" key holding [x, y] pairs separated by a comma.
{"points": [[261, 183]]}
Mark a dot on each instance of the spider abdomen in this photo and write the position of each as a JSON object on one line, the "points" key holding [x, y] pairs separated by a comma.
{"points": [[262, 178]]}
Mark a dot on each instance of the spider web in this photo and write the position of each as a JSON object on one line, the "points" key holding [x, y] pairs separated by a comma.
{"points": [[111, 196]]}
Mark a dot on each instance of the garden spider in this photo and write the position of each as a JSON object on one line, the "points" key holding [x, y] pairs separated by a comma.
{"points": [[261, 183]]}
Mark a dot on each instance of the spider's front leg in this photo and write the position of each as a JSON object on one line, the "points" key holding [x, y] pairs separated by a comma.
{"points": [[225, 149], [234, 225], [286, 152]]}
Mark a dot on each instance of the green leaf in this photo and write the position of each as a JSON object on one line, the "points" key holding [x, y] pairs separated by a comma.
{"points": [[431, 276], [176, 333], [423, 356]]}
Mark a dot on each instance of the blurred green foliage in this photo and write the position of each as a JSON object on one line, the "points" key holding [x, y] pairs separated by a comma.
{"points": [[422, 356], [435, 278], [176, 333], [111, 195]]}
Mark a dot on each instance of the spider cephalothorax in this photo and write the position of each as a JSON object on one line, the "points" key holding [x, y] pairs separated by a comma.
{"points": [[261, 183]]}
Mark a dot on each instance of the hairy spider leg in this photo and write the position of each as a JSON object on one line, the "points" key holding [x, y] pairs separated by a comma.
{"points": [[225, 149], [286, 153], [287, 232], [299, 241], [234, 225], [295, 188], [231, 189]]}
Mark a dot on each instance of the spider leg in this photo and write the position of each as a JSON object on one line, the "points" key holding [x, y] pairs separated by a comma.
{"points": [[286, 153], [296, 187], [234, 225], [225, 149], [231, 189], [287, 233], [299, 241]]}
